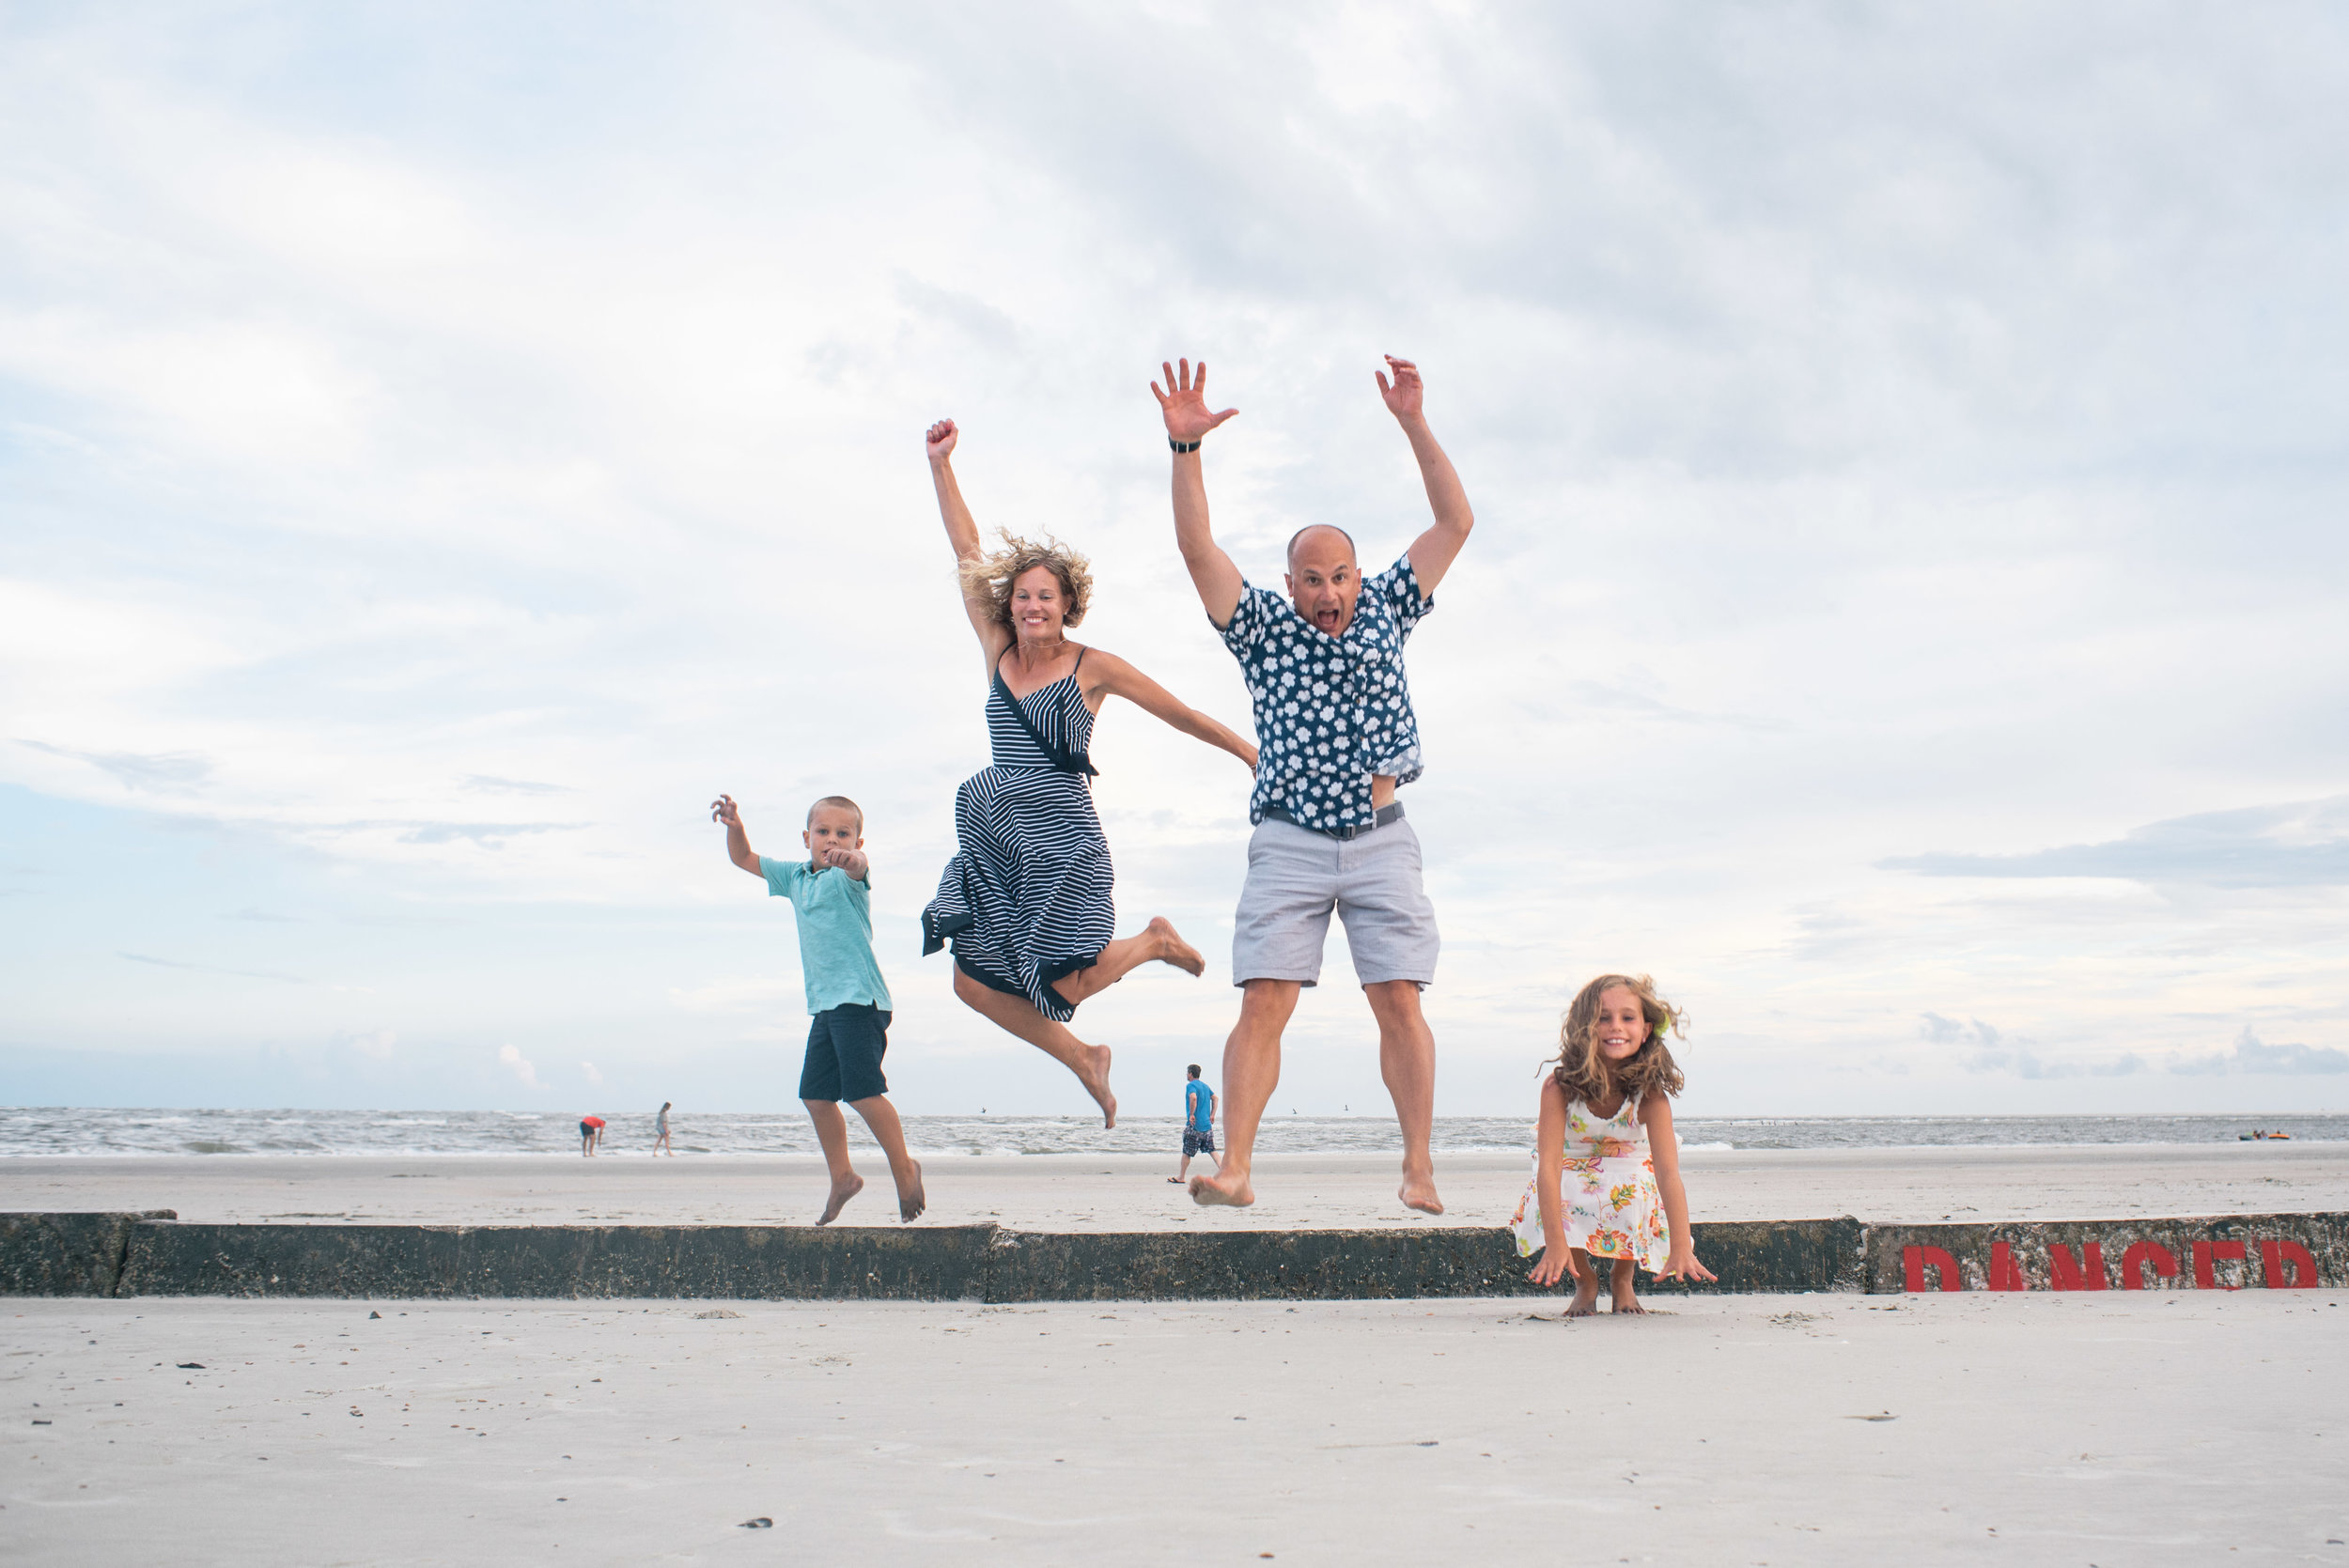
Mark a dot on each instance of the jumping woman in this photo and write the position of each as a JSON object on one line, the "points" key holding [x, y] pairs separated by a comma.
{"points": [[1027, 898]]}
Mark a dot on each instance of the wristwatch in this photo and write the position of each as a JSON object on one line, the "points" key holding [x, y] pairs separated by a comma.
{"points": [[1182, 445]]}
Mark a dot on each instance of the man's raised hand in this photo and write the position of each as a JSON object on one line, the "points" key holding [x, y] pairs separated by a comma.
{"points": [[722, 809], [1185, 402], [1404, 395], [939, 442]]}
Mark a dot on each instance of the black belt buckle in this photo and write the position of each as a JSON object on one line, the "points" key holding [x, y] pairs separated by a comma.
{"points": [[1379, 818]]}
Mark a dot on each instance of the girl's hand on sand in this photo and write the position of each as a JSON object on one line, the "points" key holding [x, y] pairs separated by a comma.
{"points": [[1185, 402], [722, 809], [1682, 1265], [939, 442], [1552, 1266]]}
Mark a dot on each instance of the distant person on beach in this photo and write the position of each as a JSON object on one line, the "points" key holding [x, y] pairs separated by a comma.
{"points": [[1198, 1125], [830, 891], [1026, 900], [590, 1134], [1605, 1163], [1324, 668], [661, 1131]]}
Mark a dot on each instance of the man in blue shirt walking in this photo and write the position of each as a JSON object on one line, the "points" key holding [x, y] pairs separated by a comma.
{"points": [[1198, 1125]]}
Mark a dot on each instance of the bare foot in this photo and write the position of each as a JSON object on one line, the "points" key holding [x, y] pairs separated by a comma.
{"points": [[1419, 1192], [1173, 950], [1223, 1189], [1097, 1083], [841, 1193], [910, 1200], [1627, 1302], [1585, 1302]]}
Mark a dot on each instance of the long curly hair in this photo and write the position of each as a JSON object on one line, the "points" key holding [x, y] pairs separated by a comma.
{"points": [[1586, 1075], [988, 578]]}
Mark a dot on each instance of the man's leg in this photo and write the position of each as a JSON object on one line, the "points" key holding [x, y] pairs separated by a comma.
{"points": [[890, 1134], [831, 1131], [1252, 1070], [1406, 1060], [1391, 931]]}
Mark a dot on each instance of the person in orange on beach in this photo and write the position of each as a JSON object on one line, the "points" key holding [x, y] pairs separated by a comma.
{"points": [[1606, 1162], [590, 1134]]}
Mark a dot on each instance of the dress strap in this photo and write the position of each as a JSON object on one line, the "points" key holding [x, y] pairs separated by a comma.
{"points": [[1063, 760]]}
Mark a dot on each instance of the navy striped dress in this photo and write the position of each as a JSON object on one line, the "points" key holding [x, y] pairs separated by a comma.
{"points": [[1028, 897]]}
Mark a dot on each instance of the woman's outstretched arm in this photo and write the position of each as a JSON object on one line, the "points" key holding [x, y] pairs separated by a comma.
{"points": [[1550, 1153], [1107, 673], [1664, 1151], [962, 533]]}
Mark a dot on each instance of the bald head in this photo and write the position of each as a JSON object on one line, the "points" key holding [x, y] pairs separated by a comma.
{"points": [[1324, 580], [1326, 535]]}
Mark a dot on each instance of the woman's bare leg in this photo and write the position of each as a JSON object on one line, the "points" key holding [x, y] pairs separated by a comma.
{"points": [[1018, 1015], [1159, 943]]}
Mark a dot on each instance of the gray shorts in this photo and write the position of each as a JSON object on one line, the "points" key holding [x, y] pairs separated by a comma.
{"points": [[1297, 876]]}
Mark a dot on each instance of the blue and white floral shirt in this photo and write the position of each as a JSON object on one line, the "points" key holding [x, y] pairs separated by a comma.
{"points": [[1331, 712]]}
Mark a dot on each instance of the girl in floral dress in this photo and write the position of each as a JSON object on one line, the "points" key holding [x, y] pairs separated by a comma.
{"points": [[1606, 1165]]}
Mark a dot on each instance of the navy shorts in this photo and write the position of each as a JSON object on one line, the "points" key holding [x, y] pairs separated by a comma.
{"points": [[1196, 1143], [844, 1053]]}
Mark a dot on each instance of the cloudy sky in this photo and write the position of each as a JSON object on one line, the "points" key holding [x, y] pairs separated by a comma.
{"points": [[440, 448]]}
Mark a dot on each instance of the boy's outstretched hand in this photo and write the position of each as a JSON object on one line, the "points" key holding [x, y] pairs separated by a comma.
{"points": [[738, 849], [850, 860]]}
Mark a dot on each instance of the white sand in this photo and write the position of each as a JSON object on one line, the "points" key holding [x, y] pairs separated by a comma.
{"points": [[1071, 1193], [2168, 1428]]}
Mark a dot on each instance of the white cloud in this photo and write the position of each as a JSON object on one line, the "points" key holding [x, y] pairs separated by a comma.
{"points": [[595, 1078], [2250, 1054], [512, 1059], [380, 1046]]}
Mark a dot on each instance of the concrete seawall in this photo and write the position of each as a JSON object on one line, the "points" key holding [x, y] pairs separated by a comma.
{"points": [[151, 1255]]}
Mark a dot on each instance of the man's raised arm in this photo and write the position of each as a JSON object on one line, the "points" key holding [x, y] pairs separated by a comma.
{"points": [[1433, 552], [1185, 405]]}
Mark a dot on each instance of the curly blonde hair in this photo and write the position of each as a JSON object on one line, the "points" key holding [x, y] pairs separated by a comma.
{"points": [[1585, 1075], [990, 577]]}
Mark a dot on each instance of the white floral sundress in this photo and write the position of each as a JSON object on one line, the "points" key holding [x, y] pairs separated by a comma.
{"points": [[1613, 1209]]}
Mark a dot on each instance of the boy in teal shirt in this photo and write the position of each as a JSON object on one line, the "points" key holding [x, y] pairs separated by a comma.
{"points": [[832, 897]]}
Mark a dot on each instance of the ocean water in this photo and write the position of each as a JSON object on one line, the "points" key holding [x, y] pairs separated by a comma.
{"points": [[53, 1131]]}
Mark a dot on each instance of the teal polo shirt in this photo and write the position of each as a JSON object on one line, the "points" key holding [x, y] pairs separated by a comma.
{"points": [[836, 914]]}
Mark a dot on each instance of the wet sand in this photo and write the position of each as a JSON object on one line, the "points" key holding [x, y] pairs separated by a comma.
{"points": [[2168, 1428], [1127, 1192]]}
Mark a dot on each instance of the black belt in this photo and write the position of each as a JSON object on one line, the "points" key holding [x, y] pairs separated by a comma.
{"points": [[1389, 813]]}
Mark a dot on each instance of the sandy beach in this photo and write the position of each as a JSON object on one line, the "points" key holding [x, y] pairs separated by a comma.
{"points": [[2122, 1428], [1127, 1192], [2144, 1429]]}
